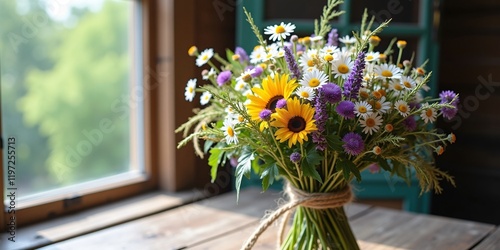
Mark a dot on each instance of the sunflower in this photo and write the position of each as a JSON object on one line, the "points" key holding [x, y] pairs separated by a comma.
{"points": [[271, 92], [294, 123]]}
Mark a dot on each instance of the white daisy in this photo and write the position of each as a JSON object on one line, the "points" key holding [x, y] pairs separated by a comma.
{"points": [[402, 107], [305, 92], [342, 67], [381, 106], [372, 56], [371, 124], [190, 90], [211, 73], [257, 55], [330, 49], [397, 88], [387, 71], [408, 82], [428, 114], [278, 32], [230, 132], [314, 79], [246, 76], [240, 86], [309, 59], [205, 97], [204, 57], [348, 40], [362, 109]]}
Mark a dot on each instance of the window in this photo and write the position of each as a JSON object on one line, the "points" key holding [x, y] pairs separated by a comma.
{"points": [[72, 103]]}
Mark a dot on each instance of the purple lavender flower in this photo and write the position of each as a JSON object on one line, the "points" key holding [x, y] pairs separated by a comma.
{"points": [[320, 116], [295, 157], [446, 97], [353, 143], [353, 82], [333, 38], [257, 71], [332, 92], [265, 114], [292, 64], [224, 77], [281, 103], [242, 53], [410, 123], [345, 109]]}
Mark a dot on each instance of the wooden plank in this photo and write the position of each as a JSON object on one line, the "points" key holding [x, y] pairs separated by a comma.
{"points": [[268, 240], [180, 227], [391, 229], [492, 242]]}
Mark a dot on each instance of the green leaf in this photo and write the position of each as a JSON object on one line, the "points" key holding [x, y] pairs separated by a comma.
{"points": [[384, 164], [269, 175], [334, 142], [309, 164], [348, 167], [208, 144], [216, 155], [244, 168]]}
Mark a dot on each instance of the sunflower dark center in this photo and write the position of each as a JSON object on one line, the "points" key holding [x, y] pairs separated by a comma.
{"points": [[296, 124], [271, 104]]}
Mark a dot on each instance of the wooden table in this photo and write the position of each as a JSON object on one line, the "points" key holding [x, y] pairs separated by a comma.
{"points": [[220, 223]]}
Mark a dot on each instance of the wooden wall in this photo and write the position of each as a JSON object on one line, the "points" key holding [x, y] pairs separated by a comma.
{"points": [[470, 64]]}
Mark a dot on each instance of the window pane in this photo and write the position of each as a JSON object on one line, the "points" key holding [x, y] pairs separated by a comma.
{"points": [[406, 11], [67, 76]]}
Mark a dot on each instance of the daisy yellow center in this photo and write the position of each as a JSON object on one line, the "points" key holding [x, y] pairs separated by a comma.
{"points": [[241, 118], [304, 94], [386, 73], [429, 113], [296, 124], [280, 29], [328, 58], [314, 82], [377, 94], [190, 90], [271, 104], [403, 108], [398, 87], [369, 58], [362, 109], [204, 57], [310, 63], [389, 127], [364, 94], [377, 105], [230, 131], [343, 69], [407, 84], [370, 122]]}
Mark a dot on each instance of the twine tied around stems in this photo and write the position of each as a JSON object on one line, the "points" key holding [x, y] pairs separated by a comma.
{"points": [[302, 198]]}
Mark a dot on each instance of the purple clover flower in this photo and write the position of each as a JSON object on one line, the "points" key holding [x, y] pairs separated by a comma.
{"points": [[353, 143], [446, 97], [332, 92], [333, 38], [281, 103], [410, 123], [242, 53], [320, 115], [353, 82], [224, 77], [265, 114], [257, 71], [292, 64], [345, 109], [295, 157]]}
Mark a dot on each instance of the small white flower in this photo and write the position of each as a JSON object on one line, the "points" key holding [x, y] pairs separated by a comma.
{"points": [[387, 71], [397, 88], [381, 106], [362, 109], [402, 107], [305, 92], [371, 124], [240, 86], [372, 56], [211, 73], [309, 59], [428, 114], [190, 90], [205, 97], [314, 79], [329, 49], [257, 55], [230, 132], [204, 57], [408, 82], [278, 32], [342, 67], [348, 40]]}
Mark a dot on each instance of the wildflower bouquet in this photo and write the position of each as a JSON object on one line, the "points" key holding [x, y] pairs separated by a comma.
{"points": [[317, 111]]}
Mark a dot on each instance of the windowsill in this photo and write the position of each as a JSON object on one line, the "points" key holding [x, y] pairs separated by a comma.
{"points": [[91, 220]]}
